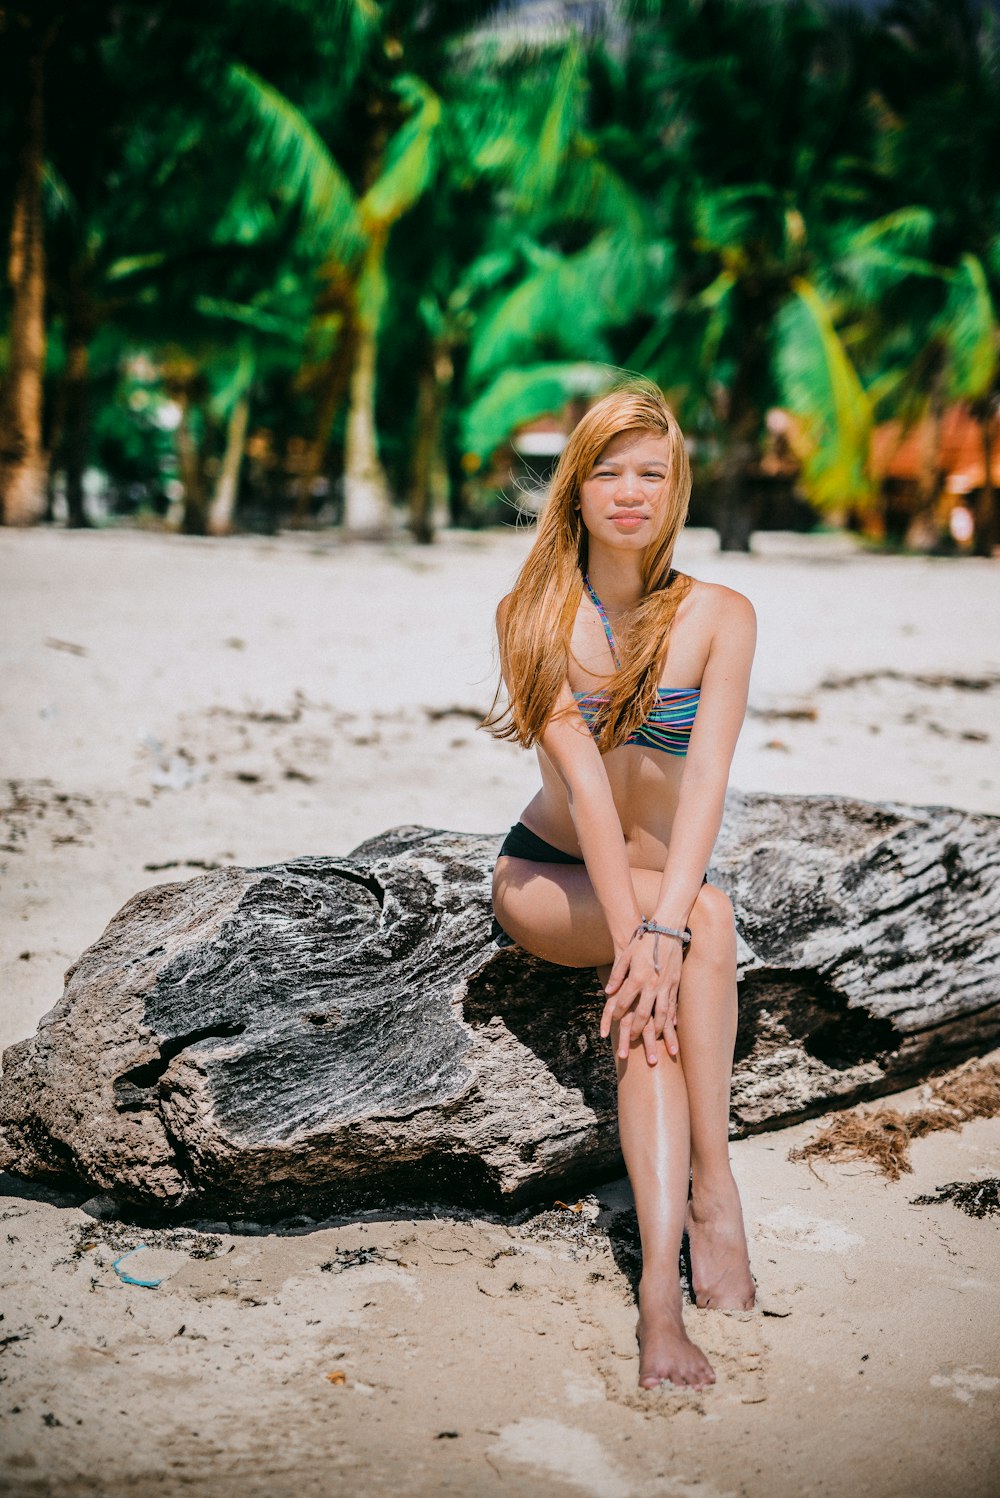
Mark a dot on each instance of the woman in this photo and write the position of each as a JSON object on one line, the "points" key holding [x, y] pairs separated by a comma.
{"points": [[631, 682]]}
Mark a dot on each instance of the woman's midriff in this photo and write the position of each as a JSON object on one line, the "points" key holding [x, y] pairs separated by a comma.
{"points": [[644, 783]]}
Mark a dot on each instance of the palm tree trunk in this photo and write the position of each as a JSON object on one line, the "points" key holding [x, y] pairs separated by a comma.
{"points": [[985, 536], [426, 441], [735, 511], [189, 457], [76, 413], [734, 519], [367, 503], [223, 505], [23, 463], [334, 383], [926, 527]]}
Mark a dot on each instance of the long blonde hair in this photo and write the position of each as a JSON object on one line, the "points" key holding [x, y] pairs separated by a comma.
{"points": [[535, 633]]}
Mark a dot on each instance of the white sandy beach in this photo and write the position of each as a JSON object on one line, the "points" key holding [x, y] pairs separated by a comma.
{"points": [[171, 704]]}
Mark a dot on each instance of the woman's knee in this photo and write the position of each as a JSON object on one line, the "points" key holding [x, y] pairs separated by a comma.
{"points": [[712, 922]]}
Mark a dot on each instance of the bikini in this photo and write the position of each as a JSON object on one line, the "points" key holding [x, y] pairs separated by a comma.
{"points": [[668, 728]]}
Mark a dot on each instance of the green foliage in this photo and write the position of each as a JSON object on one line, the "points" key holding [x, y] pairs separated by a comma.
{"points": [[750, 203], [818, 381], [520, 395], [286, 146]]}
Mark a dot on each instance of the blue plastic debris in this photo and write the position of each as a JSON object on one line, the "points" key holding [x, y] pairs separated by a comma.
{"points": [[131, 1279]]}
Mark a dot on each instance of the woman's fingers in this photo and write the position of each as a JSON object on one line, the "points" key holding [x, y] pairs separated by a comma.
{"points": [[638, 1021], [618, 972], [624, 1037], [670, 1028], [609, 1016], [620, 1003]]}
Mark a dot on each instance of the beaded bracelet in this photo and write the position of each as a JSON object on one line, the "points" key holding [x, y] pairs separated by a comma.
{"points": [[645, 925]]}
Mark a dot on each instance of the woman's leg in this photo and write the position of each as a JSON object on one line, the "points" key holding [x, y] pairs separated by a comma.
{"points": [[706, 1032], [552, 911], [653, 1125]]}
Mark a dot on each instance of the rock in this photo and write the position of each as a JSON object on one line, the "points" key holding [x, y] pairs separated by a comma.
{"points": [[102, 1207], [257, 1042]]}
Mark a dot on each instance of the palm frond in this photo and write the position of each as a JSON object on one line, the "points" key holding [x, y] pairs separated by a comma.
{"points": [[411, 157], [730, 216], [717, 299], [541, 167], [522, 394], [969, 325], [565, 306], [820, 386], [295, 158], [248, 316], [237, 379], [133, 265], [904, 230]]}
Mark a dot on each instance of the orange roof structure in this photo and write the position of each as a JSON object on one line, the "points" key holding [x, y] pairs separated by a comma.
{"points": [[896, 454]]}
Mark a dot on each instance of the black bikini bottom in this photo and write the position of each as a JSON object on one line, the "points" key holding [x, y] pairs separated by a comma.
{"points": [[521, 842]]}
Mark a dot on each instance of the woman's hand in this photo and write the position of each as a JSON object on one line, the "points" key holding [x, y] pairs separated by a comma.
{"points": [[642, 1000]]}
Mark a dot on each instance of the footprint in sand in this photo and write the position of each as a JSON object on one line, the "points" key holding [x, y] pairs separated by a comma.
{"points": [[793, 1229], [964, 1383], [733, 1342]]}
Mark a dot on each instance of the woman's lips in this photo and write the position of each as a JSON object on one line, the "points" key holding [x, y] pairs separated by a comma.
{"points": [[629, 522]]}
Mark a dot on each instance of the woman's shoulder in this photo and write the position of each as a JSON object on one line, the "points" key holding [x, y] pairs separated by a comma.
{"points": [[502, 608], [715, 604]]}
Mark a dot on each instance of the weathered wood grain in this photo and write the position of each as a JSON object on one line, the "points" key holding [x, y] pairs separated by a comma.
{"points": [[260, 1041]]}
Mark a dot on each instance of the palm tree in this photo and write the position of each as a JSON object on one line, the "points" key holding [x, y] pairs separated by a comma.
{"points": [[393, 82], [27, 34], [569, 261], [767, 144], [148, 192], [705, 199], [941, 88]]}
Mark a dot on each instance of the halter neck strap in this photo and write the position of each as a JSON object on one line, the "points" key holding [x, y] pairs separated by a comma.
{"points": [[598, 605]]}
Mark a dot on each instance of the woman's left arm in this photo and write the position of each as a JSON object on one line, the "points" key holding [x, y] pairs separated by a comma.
{"points": [[701, 801], [633, 995]]}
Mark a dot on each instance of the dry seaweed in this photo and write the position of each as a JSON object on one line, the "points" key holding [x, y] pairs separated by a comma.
{"points": [[977, 1198], [882, 1136]]}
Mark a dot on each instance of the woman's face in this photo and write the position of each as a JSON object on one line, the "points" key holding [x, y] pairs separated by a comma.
{"points": [[622, 498]]}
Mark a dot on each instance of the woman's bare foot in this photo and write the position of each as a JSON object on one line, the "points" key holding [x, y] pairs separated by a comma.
{"points": [[666, 1352], [720, 1263]]}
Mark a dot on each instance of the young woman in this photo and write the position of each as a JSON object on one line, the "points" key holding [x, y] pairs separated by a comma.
{"points": [[630, 680]]}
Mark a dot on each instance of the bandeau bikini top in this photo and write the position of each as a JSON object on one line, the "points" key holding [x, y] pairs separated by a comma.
{"points": [[668, 726]]}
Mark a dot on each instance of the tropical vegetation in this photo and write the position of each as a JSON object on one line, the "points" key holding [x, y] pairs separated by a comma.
{"points": [[279, 262]]}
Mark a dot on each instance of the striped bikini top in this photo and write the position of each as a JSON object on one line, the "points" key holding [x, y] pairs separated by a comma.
{"points": [[668, 726]]}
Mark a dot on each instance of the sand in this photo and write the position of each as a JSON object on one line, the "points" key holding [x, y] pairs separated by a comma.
{"points": [[172, 704]]}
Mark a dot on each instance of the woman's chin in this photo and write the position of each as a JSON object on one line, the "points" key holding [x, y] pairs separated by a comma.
{"points": [[632, 538]]}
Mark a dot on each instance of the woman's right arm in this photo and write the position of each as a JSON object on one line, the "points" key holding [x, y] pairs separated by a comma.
{"points": [[570, 748]]}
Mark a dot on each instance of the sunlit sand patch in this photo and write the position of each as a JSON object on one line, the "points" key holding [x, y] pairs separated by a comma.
{"points": [[964, 1384], [794, 1229], [564, 1451], [577, 1458], [582, 1390]]}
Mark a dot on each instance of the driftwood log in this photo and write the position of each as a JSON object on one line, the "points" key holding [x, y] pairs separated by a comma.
{"points": [[255, 1042]]}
